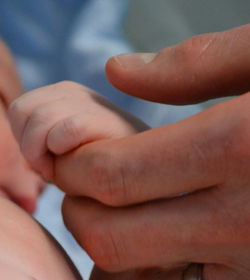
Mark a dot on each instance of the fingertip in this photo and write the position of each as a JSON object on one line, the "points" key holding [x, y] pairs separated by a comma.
{"points": [[44, 166], [125, 64], [124, 69], [4, 194], [114, 73], [70, 212], [133, 61], [143, 75], [27, 203], [41, 186]]}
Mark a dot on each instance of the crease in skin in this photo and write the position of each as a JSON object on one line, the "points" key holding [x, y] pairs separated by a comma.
{"points": [[206, 47]]}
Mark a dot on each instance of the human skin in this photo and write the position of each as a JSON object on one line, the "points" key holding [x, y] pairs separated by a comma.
{"points": [[142, 274], [10, 84], [17, 181], [57, 118], [134, 217], [28, 251]]}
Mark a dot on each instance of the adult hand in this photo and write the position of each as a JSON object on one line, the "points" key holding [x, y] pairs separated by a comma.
{"points": [[134, 216], [53, 120], [206, 156], [17, 181]]}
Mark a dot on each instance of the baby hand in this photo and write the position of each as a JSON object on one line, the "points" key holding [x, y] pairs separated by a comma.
{"points": [[17, 181], [53, 120]]}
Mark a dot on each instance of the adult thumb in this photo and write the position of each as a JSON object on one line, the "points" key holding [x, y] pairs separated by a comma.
{"points": [[200, 68]]}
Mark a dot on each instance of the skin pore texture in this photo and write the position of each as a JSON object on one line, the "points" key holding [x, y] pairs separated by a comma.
{"points": [[27, 251]]}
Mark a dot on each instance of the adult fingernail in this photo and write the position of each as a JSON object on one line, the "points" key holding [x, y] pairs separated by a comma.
{"points": [[134, 60]]}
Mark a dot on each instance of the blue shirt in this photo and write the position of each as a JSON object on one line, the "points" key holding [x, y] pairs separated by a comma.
{"points": [[56, 40]]}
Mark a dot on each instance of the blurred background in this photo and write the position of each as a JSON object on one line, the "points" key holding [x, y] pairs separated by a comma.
{"points": [[153, 25]]}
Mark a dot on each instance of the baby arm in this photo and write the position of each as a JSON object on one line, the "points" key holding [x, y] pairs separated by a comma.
{"points": [[56, 119], [17, 181], [28, 251]]}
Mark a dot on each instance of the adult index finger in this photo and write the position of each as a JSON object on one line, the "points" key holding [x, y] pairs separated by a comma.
{"points": [[200, 68], [190, 155]]}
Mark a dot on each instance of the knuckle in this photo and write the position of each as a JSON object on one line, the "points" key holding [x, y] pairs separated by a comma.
{"points": [[103, 245], [16, 108], [40, 116], [67, 84], [71, 128], [109, 178], [69, 87]]}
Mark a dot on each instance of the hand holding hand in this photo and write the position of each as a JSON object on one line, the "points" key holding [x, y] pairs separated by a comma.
{"points": [[205, 156], [56, 119], [136, 215]]}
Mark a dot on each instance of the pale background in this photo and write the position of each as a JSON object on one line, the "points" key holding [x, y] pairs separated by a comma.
{"points": [[155, 24]]}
